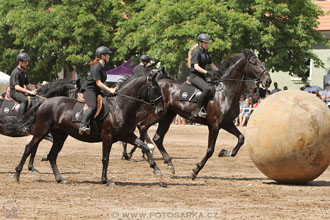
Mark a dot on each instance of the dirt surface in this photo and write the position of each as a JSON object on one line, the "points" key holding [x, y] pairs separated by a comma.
{"points": [[227, 188]]}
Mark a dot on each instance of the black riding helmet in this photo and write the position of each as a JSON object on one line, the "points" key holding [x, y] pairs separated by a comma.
{"points": [[102, 50], [204, 38], [22, 57], [145, 58]]}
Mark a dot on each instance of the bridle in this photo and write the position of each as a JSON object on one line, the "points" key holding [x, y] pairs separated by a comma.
{"points": [[259, 74]]}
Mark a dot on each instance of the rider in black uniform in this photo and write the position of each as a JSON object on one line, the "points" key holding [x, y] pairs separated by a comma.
{"points": [[18, 83], [201, 57], [93, 85], [142, 67]]}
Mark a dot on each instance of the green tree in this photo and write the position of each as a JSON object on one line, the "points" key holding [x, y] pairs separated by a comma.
{"points": [[61, 33], [56, 34], [281, 31]]}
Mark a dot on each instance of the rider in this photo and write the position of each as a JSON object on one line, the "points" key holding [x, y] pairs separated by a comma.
{"points": [[142, 67], [18, 83], [93, 85], [197, 60]]}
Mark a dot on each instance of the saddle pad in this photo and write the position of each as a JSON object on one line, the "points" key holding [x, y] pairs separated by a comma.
{"points": [[189, 93], [78, 112], [8, 108]]}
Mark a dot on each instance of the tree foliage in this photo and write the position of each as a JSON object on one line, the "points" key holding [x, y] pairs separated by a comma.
{"points": [[56, 34], [63, 33]]}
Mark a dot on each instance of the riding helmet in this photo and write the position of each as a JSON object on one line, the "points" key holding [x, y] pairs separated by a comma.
{"points": [[145, 58], [102, 50], [22, 57], [204, 38]]}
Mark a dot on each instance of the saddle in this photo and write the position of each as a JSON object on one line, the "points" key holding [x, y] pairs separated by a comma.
{"points": [[9, 107], [189, 93], [80, 107]]}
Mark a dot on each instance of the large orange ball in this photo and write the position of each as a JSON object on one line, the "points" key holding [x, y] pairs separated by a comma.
{"points": [[288, 136]]}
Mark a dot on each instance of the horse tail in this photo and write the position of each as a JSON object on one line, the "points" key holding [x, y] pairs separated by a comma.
{"points": [[21, 126], [191, 50]]}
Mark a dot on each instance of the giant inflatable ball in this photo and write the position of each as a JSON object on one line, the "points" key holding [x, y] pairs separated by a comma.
{"points": [[288, 136]]}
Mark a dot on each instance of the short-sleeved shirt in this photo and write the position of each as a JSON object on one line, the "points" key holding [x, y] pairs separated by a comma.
{"points": [[326, 93], [200, 57], [98, 72], [18, 77], [140, 70]]}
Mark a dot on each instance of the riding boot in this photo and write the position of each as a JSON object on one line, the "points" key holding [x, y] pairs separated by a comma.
{"points": [[84, 128], [21, 109]]}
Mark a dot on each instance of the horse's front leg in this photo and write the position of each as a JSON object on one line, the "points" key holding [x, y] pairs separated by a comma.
{"points": [[213, 134], [231, 128], [134, 140], [106, 147], [163, 126]]}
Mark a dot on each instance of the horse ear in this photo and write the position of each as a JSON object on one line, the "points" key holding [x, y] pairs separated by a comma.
{"points": [[248, 52], [153, 75], [78, 84]]}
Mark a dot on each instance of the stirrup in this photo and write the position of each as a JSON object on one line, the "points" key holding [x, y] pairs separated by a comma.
{"points": [[84, 130], [202, 113]]}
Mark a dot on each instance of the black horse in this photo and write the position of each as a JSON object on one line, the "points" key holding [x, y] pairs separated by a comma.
{"points": [[55, 116], [221, 110], [61, 87]]}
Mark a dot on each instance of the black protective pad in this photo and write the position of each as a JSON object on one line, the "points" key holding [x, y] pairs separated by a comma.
{"points": [[189, 93], [7, 108], [78, 112]]}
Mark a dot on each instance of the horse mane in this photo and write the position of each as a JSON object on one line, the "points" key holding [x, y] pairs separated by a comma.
{"points": [[57, 87], [127, 79], [230, 61]]}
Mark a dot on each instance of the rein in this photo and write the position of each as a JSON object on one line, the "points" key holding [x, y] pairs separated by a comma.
{"points": [[139, 100]]}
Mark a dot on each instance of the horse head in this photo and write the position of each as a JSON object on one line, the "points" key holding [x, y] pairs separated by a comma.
{"points": [[255, 69], [154, 94]]}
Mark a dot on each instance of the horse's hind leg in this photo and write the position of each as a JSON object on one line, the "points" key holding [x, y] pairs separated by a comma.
{"points": [[59, 139], [213, 134], [32, 145], [162, 129], [145, 138], [32, 156], [134, 140], [231, 128], [124, 155]]}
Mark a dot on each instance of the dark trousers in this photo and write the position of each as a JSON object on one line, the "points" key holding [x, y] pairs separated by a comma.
{"points": [[91, 99], [203, 86], [20, 98]]}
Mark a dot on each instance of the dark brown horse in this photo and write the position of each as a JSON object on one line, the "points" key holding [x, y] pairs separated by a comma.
{"points": [[221, 110], [61, 87], [55, 116]]}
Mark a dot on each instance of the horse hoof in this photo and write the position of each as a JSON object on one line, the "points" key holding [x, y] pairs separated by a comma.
{"points": [[63, 181], [224, 153], [170, 169], [193, 175], [45, 158], [157, 172], [16, 177], [34, 170], [110, 183], [125, 157]]}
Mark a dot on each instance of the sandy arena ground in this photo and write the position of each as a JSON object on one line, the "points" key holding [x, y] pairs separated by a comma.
{"points": [[227, 188]]}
